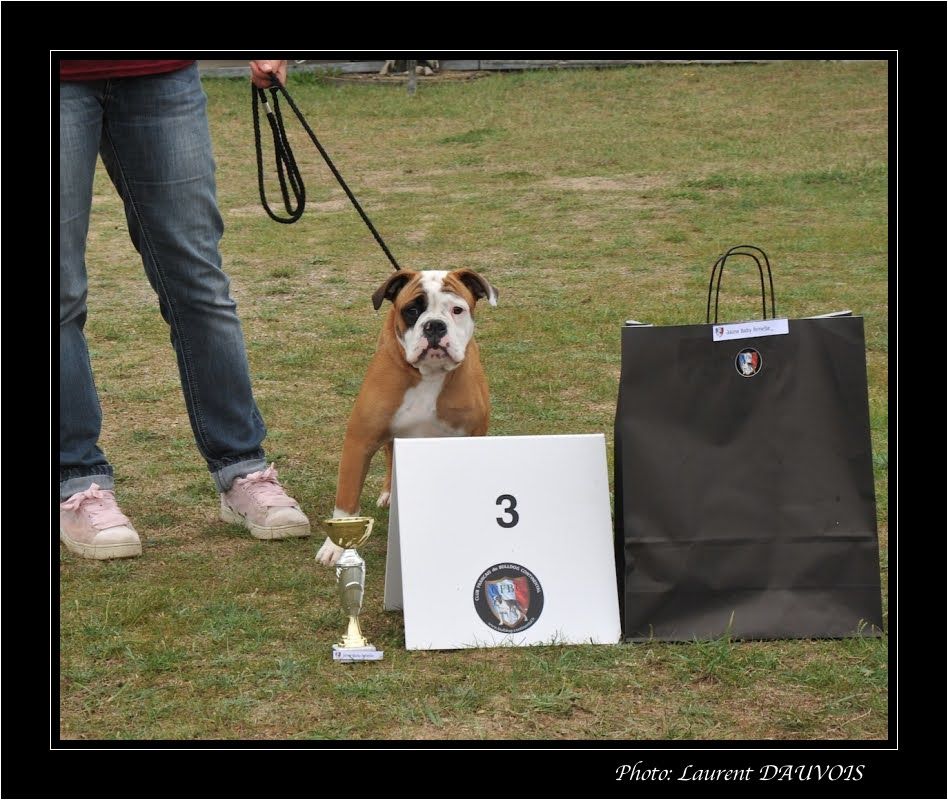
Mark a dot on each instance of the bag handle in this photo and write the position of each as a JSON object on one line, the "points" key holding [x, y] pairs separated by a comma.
{"points": [[739, 250]]}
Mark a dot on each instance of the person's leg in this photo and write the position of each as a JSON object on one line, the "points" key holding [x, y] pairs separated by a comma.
{"points": [[90, 522], [81, 462], [156, 147]]}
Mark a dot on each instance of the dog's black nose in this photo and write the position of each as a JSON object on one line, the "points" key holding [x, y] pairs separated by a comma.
{"points": [[434, 329]]}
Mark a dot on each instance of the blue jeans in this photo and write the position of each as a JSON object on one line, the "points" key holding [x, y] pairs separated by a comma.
{"points": [[152, 134]]}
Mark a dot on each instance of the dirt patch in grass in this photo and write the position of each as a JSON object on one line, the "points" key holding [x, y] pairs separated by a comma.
{"points": [[339, 204], [614, 183]]}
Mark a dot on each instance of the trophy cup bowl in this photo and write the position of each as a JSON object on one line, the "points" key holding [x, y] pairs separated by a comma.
{"points": [[348, 533]]}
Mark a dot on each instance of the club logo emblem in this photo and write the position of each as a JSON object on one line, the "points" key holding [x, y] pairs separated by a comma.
{"points": [[748, 362], [508, 598]]}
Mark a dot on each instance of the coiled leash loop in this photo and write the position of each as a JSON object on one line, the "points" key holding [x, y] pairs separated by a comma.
{"points": [[283, 154], [288, 172]]}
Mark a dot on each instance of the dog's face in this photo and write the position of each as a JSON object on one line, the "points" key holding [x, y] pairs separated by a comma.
{"points": [[433, 314]]}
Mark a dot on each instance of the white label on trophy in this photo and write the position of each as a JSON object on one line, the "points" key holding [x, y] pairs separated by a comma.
{"points": [[502, 541], [357, 654]]}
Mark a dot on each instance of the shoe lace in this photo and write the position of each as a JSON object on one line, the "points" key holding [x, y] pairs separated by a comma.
{"points": [[99, 504], [265, 489]]}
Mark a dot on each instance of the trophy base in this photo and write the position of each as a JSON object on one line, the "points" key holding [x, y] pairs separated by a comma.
{"points": [[368, 653]]}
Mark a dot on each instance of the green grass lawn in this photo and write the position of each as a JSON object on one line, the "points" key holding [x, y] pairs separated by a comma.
{"points": [[586, 197]]}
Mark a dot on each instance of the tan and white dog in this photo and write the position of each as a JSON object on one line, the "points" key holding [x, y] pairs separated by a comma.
{"points": [[425, 379]]}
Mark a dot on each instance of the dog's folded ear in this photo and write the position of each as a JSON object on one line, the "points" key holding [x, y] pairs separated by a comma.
{"points": [[478, 285], [388, 290]]}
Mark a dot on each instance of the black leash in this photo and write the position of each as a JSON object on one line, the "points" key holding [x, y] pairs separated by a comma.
{"points": [[287, 170]]}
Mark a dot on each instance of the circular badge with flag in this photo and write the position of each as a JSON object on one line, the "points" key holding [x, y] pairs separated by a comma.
{"points": [[508, 598], [748, 362]]}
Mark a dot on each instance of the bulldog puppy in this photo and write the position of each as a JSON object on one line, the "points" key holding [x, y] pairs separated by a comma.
{"points": [[425, 379]]}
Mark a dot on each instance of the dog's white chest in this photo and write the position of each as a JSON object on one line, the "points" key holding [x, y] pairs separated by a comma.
{"points": [[418, 413]]}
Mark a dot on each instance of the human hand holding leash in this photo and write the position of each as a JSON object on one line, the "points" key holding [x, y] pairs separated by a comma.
{"points": [[260, 72]]}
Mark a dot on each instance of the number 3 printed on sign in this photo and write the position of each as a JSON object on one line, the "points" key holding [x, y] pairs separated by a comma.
{"points": [[508, 511]]}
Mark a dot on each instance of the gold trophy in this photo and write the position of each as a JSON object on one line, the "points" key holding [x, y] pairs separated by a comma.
{"points": [[348, 533]]}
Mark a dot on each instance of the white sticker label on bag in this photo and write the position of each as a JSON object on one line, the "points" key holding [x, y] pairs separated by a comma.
{"points": [[748, 330]]}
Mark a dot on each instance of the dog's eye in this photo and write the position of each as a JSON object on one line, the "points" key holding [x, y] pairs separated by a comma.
{"points": [[411, 315], [457, 310]]}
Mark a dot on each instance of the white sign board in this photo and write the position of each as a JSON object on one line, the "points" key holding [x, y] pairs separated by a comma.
{"points": [[502, 540]]}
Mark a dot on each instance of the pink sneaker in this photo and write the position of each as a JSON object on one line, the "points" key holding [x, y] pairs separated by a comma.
{"points": [[259, 503], [92, 526]]}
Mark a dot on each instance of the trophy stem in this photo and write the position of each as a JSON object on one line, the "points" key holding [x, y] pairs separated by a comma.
{"points": [[353, 637]]}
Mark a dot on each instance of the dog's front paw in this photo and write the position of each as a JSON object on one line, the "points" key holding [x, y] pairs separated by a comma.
{"points": [[385, 500], [329, 553]]}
